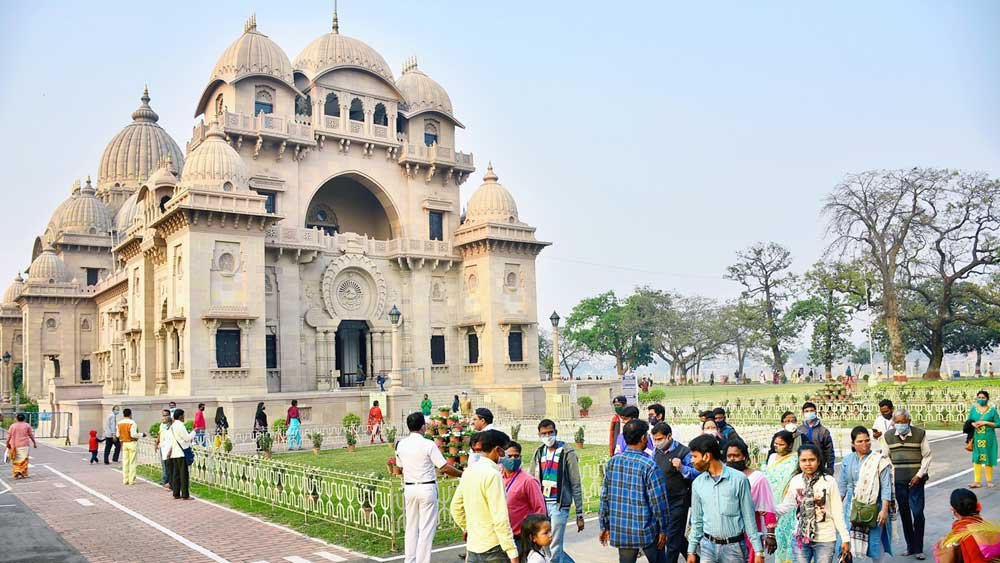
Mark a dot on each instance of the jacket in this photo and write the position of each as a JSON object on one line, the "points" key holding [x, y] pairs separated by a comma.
{"points": [[569, 472], [820, 438], [92, 443]]}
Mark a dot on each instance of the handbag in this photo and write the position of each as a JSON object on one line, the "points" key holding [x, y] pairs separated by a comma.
{"points": [[188, 455], [863, 514], [846, 557]]}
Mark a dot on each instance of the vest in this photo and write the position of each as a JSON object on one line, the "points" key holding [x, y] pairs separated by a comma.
{"points": [[905, 456], [677, 485], [125, 431]]}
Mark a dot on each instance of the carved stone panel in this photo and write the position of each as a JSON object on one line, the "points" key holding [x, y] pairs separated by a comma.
{"points": [[354, 288]]}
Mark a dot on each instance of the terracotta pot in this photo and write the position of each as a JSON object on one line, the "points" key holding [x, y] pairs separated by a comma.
{"points": [[439, 442], [579, 445], [463, 459], [315, 451], [443, 431], [455, 439], [584, 413], [453, 449], [396, 470], [350, 448]]}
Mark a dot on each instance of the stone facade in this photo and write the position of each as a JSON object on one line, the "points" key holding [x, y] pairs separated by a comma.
{"points": [[312, 199]]}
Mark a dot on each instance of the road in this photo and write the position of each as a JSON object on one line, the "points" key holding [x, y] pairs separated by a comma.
{"points": [[70, 511]]}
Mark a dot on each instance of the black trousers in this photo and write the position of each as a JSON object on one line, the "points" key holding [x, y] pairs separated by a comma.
{"points": [[652, 554], [179, 477], [108, 443], [676, 524]]}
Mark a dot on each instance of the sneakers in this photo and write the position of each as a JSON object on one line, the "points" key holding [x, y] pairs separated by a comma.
{"points": [[920, 556]]}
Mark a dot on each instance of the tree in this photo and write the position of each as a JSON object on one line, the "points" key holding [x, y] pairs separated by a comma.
{"points": [[860, 356], [743, 329], [835, 291], [545, 349], [571, 354], [967, 338], [878, 216], [605, 324], [685, 330], [762, 269]]}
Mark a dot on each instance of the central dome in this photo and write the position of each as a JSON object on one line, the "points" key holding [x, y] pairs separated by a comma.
{"points": [[136, 151], [333, 50]]}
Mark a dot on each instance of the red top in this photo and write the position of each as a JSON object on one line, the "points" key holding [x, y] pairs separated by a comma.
{"points": [[374, 415], [293, 412], [199, 420], [524, 497], [19, 435], [616, 429], [92, 444]]}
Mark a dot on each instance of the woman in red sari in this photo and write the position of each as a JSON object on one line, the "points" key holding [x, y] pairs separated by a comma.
{"points": [[972, 539], [375, 423]]}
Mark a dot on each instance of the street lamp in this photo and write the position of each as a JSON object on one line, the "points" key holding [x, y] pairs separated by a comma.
{"points": [[556, 372], [397, 360], [394, 315]]}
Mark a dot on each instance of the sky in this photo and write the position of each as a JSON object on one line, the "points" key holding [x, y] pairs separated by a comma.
{"points": [[648, 140]]}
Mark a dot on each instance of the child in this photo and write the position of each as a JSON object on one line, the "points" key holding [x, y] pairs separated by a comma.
{"points": [[536, 535], [92, 446]]}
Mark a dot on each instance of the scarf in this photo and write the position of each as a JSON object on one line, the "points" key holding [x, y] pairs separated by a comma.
{"points": [[975, 539], [806, 531], [866, 491]]}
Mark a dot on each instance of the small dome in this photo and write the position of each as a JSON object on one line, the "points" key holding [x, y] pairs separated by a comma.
{"points": [[215, 165], [126, 213], [491, 202], [422, 93], [333, 50], [165, 175], [13, 290], [137, 150], [253, 54], [48, 268], [84, 214]]}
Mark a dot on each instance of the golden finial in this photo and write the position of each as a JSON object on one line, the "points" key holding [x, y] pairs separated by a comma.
{"points": [[490, 175], [336, 22]]}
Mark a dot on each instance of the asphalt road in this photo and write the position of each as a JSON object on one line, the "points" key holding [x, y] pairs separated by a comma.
{"points": [[25, 537]]}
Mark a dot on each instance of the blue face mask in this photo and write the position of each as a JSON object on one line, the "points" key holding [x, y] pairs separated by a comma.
{"points": [[511, 465], [902, 429], [809, 416]]}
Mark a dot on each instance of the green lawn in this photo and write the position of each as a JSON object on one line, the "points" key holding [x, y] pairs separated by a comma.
{"points": [[705, 393]]}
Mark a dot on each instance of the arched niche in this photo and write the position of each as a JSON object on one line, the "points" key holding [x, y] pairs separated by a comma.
{"points": [[353, 203]]}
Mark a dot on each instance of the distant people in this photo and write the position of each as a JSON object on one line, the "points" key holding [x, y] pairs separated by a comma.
{"points": [[199, 426], [718, 538], [618, 403], [523, 491], [911, 457], [19, 435], [480, 509], [111, 436], [380, 380], [173, 407], [557, 466], [674, 460], [259, 426], [738, 457], [883, 422], [634, 507], [180, 441], [419, 459], [466, 405], [426, 405], [865, 477], [705, 415], [711, 378], [375, 421], [128, 433], [983, 419], [455, 405], [92, 445], [657, 414], [163, 444], [812, 431], [725, 429], [971, 538], [221, 422], [536, 536], [815, 500], [781, 465], [293, 426]]}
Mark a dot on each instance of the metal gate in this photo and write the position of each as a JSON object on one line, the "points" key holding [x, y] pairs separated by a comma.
{"points": [[45, 424]]}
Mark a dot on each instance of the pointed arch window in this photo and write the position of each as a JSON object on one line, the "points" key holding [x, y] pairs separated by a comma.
{"points": [[357, 112], [263, 101], [430, 132], [380, 117], [332, 105]]}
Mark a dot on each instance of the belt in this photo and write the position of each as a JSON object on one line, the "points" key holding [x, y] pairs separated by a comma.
{"points": [[424, 483], [722, 541]]}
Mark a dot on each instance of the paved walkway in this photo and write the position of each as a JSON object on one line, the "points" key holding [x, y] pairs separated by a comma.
{"points": [[107, 521]]}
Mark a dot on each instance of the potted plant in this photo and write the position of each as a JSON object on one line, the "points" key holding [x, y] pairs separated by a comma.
{"points": [[266, 442], [438, 441], [515, 429], [227, 446], [578, 438], [455, 418], [351, 435], [453, 449], [585, 403], [453, 458], [279, 428], [463, 457], [467, 436], [317, 441], [455, 438], [443, 430], [445, 411], [393, 468], [390, 435]]}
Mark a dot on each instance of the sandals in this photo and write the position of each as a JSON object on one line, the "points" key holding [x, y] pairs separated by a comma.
{"points": [[974, 486]]}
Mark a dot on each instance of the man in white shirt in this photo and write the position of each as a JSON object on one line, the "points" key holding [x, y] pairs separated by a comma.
{"points": [[163, 445], [883, 423], [420, 458]]}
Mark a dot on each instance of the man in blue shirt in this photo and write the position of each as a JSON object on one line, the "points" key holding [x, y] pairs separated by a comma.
{"points": [[674, 460], [634, 509], [722, 509]]}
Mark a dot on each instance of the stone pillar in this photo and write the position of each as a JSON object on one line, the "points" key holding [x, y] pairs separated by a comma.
{"points": [[556, 372], [345, 115], [8, 382], [180, 347], [397, 356], [213, 327], [320, 351], [244, 342], [370, 359], [161, 363], [331, 351]]}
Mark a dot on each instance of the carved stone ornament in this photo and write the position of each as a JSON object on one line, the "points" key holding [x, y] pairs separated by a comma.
{"points": [[353, 287]]}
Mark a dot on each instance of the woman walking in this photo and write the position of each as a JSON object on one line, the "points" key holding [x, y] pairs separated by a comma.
{"points": [[292, 424], [19, 435], [259, 425], [779, 469], [738, 457], [984, 420], [819, 514], [866, 480]]}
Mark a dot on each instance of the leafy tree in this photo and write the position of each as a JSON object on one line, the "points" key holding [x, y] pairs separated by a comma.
{"points": [[545, 349], [860, 356], [967, 338], [685, 330], [762, 269], [606, 324]]}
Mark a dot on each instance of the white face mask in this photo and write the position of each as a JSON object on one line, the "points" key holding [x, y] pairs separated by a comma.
{"points": [[660, 444], [791, 427], [549, 441], [711, 433]]}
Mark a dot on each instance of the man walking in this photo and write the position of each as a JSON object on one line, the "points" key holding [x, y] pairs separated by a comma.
{"points": [[883, 423], [111, 436], [674, 460], [419, 458], [557, 466], [812, 431], [163, 444], [524, 494], [634, 509], [480, 509], [911, 457], [618, 403], [720, 534], [128, 434], [199, 425]]}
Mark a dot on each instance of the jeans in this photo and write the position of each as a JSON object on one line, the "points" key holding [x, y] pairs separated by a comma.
{"points": [[820, 552], [631, 554], [677, 544], [93, 456], [558, 516], [199, 437], [494, 555], [164, 471], [712, 552], [910, 501]]}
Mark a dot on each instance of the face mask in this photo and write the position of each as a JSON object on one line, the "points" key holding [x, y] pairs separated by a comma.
{"points": [[887, 416], [653, 420], [714, 433], [618, 410], [720, 424], [902, 429], [738, 465], [511, 465], [982, 402], [549, 441], [809, 416], [660, 444], [791, 427]]}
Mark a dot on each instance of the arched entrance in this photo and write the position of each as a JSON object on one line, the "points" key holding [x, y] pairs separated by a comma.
{"points": [[352, 353], [353, 203]]}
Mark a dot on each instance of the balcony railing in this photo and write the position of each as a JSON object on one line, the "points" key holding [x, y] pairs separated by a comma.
{"points": [[316, 239], [437, 154]]}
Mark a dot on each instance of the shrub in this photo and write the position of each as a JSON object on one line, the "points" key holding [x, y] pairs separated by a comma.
{"points": [[227, 445], [515, 429], [351, 435], [656, 395], [265, 441], [585, 402], [351, 420], [390, 434], [644, 398], [189, 425], [154, 430], [578, 435], [279, 426], [316, 438]]}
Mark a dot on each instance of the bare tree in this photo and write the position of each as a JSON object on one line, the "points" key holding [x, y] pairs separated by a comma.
{"points": [[878, 216], [762, 269]]}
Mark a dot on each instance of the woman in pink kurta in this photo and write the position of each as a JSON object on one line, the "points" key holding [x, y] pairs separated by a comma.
{"points": [[738, 457], [19, 436]]}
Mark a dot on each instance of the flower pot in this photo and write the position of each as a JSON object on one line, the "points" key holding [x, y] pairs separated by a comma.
{"points": [[439, 442], [315, 451], [267, 454], [396, 470], [455, 439], [453, 449], [453, 459], [584, 413], [463, 459], [450, 423], [443, 431], [350, 447], [579, 445]]}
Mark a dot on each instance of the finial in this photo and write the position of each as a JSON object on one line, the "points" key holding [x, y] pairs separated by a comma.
{"points": [[490, 175], [336, 22], [410, 64], [76, 187], [145, 94]]}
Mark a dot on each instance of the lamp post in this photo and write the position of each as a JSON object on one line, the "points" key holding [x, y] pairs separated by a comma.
{"points": [[397, 374], [556, 375], [7, 382]]}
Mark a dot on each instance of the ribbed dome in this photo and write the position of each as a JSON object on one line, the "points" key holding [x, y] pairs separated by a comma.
{"points": [[422, 93], [137, 150], [85, 214], [491, 202], [214, 164], [126, 213], [13, 290], [253, 54], [332, 50], [164, 176], [48, 268]]}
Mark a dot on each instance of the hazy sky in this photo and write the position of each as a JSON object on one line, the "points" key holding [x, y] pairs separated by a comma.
{"points": [[649, 141]]}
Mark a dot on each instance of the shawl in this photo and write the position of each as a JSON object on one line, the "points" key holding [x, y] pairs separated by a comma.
{"points": [[973, 540], [808, 521], [866, 490]]}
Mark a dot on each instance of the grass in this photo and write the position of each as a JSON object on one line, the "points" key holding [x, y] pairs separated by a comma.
{"points": [[708, 393]]}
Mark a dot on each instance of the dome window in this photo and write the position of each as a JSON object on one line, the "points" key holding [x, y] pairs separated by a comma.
{"points": [[227, 187], [263, 101], [332, 105], [380, 116], [220, 106], [430, 132], [357, 112]]}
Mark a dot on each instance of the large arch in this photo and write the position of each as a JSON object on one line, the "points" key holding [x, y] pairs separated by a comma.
{"points": [[354, 202]]}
